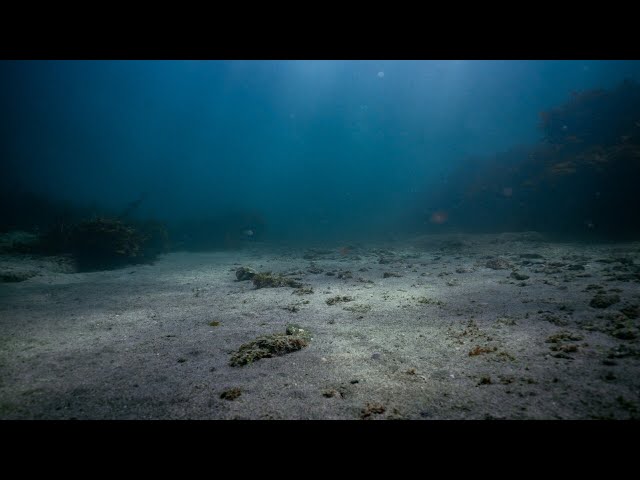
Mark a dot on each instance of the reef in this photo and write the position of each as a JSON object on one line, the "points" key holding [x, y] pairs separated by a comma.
{"points": [[581, 178]]}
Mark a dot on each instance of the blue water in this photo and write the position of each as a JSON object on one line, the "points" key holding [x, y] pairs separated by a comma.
{"points": [[318, 150]]}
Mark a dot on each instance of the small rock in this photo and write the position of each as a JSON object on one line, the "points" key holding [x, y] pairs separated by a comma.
{"points": [[245, 273]]}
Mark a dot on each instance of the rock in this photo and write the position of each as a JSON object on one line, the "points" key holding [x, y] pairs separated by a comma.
{"points": [[269, 346], [245, 273]]}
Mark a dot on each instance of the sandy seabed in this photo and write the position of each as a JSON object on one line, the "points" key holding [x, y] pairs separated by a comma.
{"points": [[505, 326]]}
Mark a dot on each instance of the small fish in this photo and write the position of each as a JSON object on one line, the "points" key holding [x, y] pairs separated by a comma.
{"points": [[248, 232]]}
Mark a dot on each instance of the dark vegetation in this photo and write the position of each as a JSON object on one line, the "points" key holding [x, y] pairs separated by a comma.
{"points": [[581, 179]]}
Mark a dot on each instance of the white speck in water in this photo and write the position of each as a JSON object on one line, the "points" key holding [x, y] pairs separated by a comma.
{"points": [[381, 74]]}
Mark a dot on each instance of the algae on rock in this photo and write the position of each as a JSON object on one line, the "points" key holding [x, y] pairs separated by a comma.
{"points": [[274, 345]]}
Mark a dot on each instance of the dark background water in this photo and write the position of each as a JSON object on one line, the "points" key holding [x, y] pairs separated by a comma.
{"points": [[298, 150]]}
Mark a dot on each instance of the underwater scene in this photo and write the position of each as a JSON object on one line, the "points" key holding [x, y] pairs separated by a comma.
{"points": [[319, 240]]}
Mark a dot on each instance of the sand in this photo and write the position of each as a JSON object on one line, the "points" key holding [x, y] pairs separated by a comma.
{"points": [[448, 338]]}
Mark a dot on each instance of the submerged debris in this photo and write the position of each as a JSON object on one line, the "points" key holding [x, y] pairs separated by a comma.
{"points": [[268, 346]]}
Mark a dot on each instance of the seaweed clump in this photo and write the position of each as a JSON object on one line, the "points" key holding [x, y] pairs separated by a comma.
{"points": [[267, 346]]}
